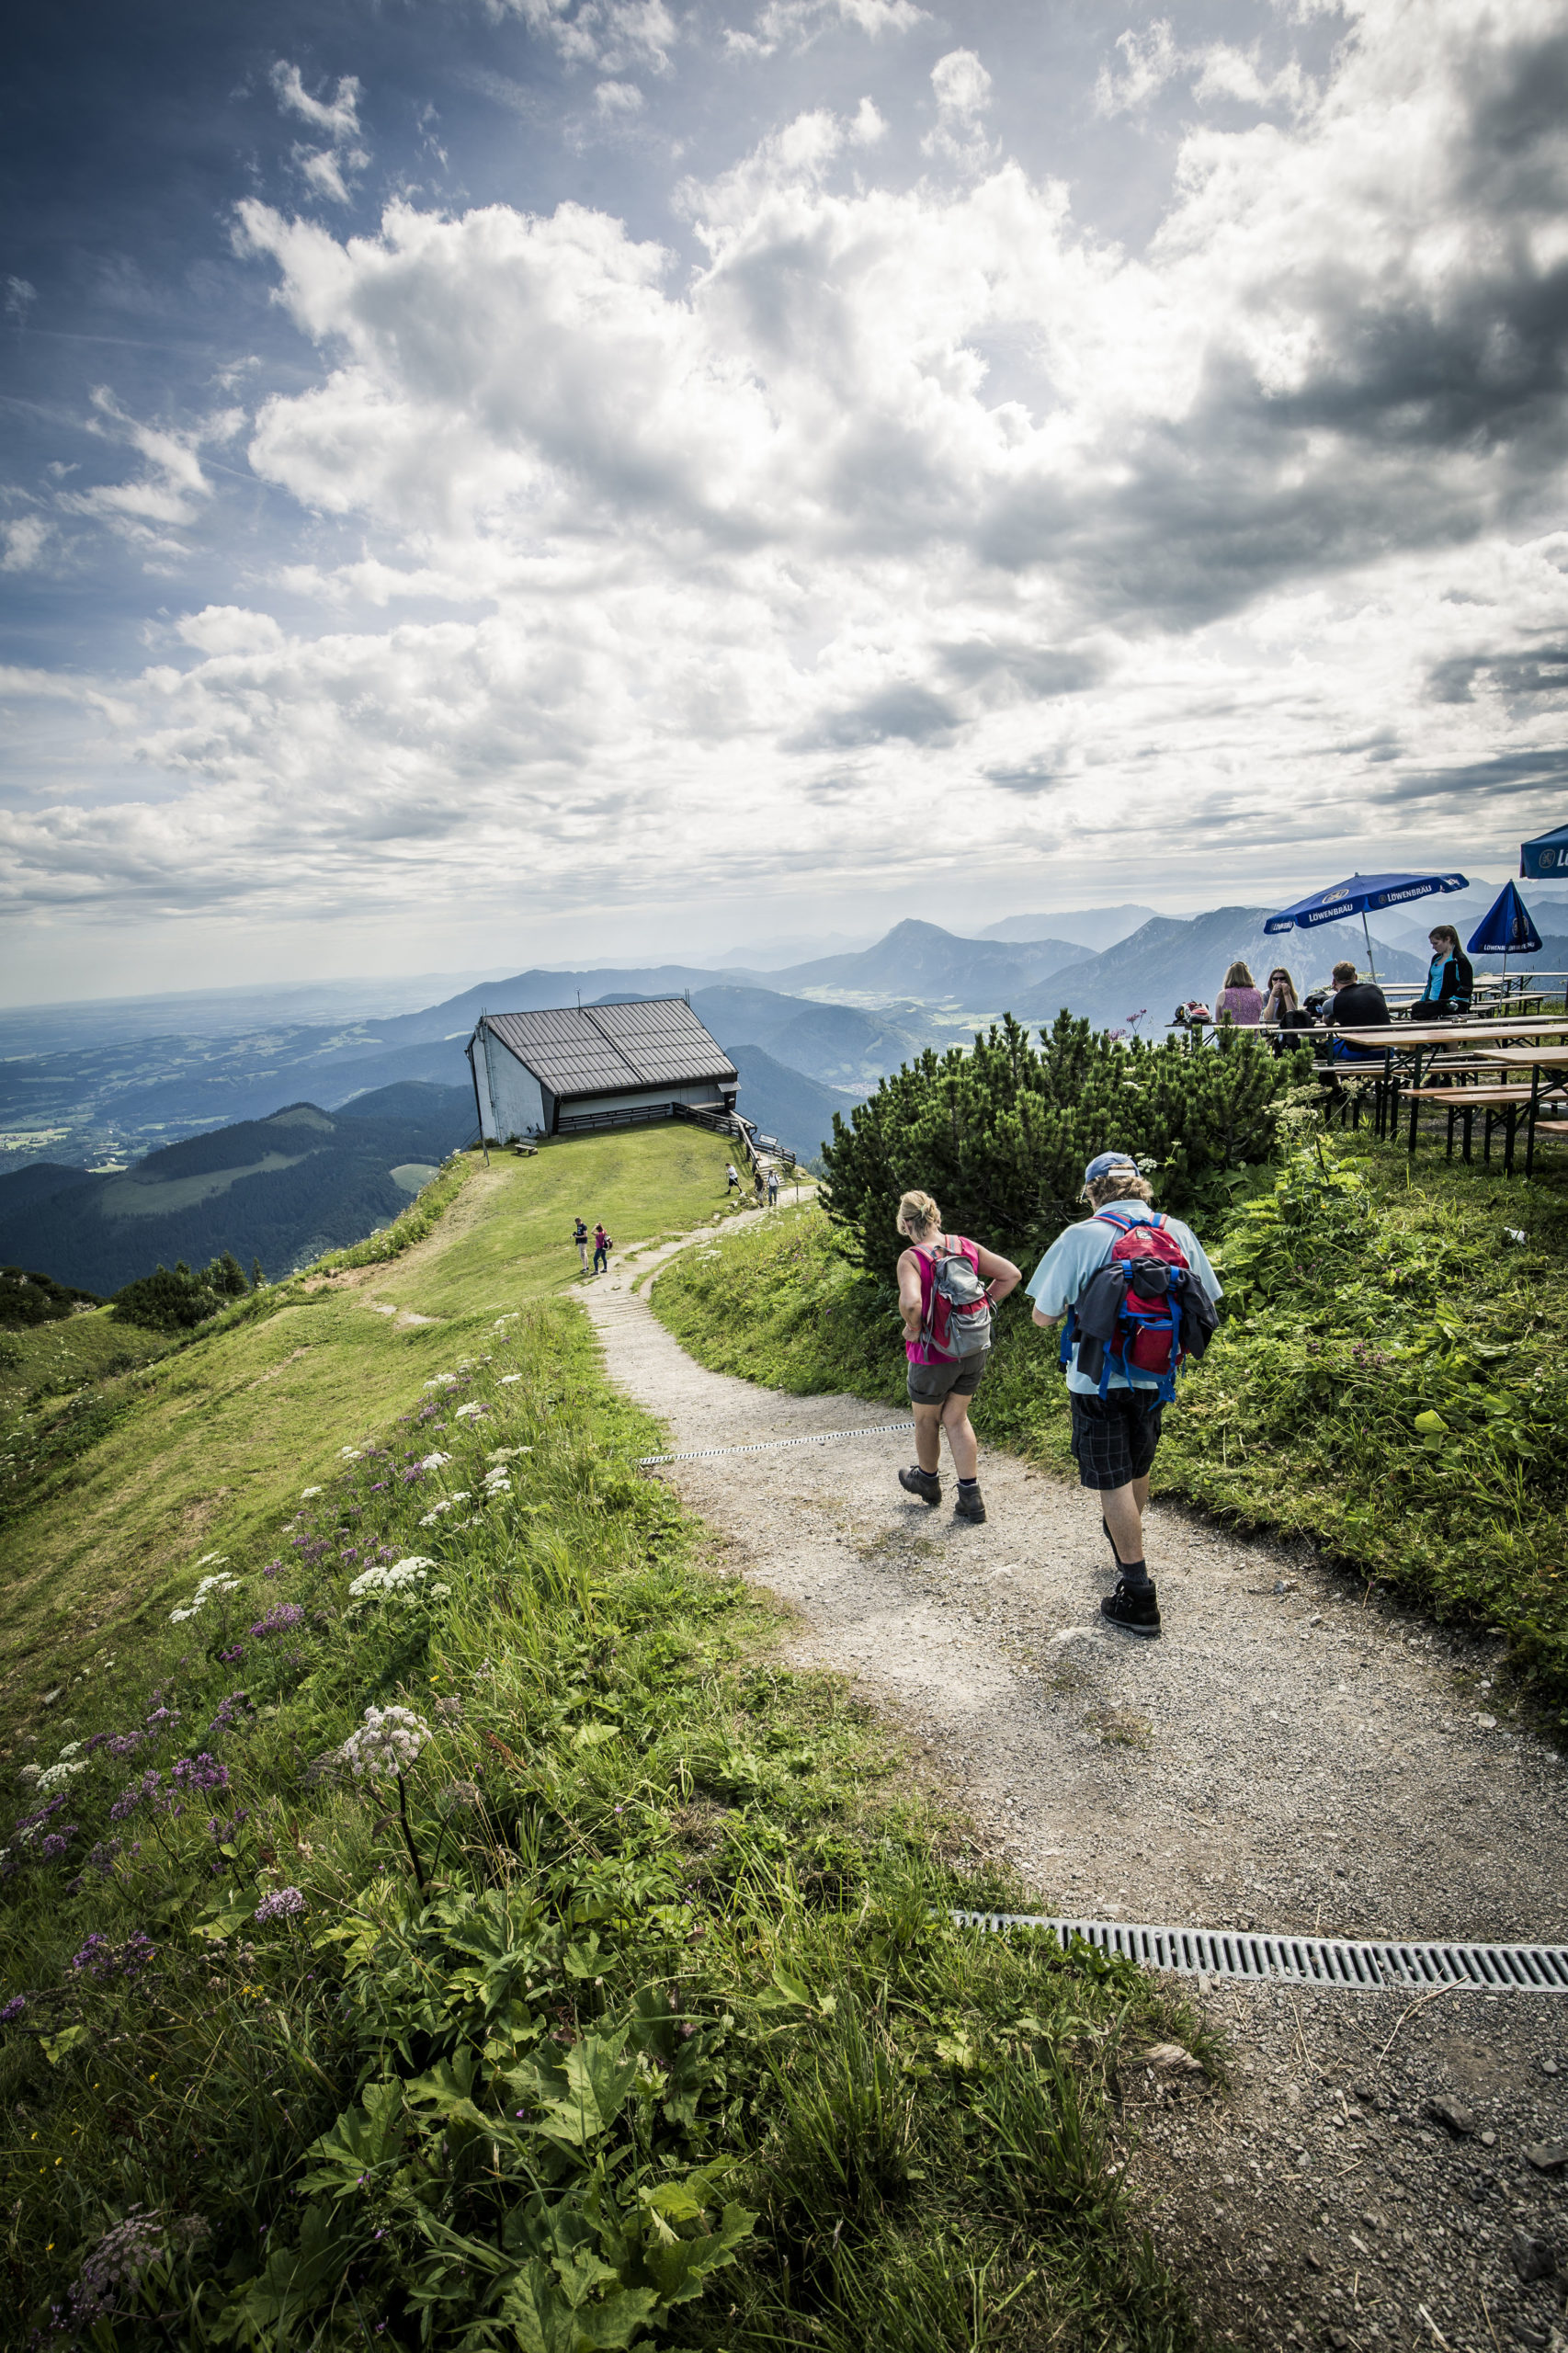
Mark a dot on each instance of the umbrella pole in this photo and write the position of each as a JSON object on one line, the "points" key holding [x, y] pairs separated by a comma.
{"points": [[1367, 938]]}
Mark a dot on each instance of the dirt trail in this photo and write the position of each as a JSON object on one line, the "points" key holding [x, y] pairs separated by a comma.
{"points": [[1287, 1756]]}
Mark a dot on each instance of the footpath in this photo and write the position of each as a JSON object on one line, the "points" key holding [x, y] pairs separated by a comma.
{"points": [[1290, 1755]]}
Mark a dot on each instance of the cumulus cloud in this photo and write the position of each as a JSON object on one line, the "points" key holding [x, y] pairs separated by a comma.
{"points": [[26, 537], [962, 88], [795, 24], [1146, 62], [1260, 536], [327, 170], [607, 34]]}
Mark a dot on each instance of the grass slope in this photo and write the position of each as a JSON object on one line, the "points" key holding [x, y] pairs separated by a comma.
{"points": [[207, 1448], [623, 2005], [1390, 1381]]}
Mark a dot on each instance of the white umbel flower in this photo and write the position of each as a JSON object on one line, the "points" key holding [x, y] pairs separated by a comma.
{"points": [[388, 1742]]}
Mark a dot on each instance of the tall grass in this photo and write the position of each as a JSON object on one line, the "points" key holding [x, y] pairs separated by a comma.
{"points": [[624, 2004]]}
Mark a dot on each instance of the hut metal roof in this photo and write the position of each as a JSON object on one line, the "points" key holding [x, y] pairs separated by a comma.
{"points": [[611, 1048]]}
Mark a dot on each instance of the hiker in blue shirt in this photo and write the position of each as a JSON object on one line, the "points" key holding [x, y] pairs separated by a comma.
{"points": [[1450, 978], [1116, 1421]]}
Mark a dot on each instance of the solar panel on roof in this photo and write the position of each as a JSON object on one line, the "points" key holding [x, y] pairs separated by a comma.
{"points": [[607, 1049]]}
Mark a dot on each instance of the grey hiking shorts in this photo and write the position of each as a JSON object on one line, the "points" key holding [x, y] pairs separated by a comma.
{"points": [[954, 1377]]}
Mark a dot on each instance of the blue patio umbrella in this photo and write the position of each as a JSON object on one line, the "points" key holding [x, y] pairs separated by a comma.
{"points": [[1547, 854], [1506, 928], [1355, 896]]}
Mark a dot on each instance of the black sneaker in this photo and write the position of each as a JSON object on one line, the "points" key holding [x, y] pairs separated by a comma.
{"points": [[969, 1504], [1133, 1607], [924, 1484]]}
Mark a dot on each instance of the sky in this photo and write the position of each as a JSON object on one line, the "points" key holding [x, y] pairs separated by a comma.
{"points": [[493, 481]]}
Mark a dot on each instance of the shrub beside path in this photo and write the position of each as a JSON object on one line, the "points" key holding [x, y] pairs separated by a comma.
{"points": [[1292, 1754]]}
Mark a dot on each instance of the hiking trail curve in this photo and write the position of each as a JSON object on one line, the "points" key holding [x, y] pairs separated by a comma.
{"points": [[1292, 1753]]}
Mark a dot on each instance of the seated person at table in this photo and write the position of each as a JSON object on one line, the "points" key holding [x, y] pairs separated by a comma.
{"points": [[1450, 982], [1356, 1005], [1241, 997], [1279, 1004]]}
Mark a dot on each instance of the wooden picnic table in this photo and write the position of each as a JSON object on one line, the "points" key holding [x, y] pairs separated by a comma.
{"points": [[1406, 1046]]}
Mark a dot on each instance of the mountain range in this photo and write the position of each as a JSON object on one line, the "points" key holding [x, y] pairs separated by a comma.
{"points": [[282, 1189]]}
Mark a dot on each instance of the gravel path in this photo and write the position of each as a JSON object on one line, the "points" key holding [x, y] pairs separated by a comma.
{"points": [[1289, 1755]]}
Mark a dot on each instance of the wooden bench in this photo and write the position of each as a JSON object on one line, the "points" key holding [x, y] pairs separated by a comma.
{"points": [[1499, 1106]]}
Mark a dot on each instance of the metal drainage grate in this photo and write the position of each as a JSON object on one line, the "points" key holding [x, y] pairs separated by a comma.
{"points": [[775, 1445], [1306, 1961]]}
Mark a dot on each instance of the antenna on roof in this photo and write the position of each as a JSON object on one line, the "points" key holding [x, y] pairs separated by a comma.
{"points": [[579, 1000]]}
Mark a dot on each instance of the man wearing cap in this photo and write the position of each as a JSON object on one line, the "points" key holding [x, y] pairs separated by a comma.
{"points": [[1114, 1437]]}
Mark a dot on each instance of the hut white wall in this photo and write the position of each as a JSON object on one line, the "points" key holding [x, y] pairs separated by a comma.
{"points": [[511, 1102]]}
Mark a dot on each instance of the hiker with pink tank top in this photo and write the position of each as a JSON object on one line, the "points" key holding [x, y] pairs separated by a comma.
{"points": [[948, 1286]]}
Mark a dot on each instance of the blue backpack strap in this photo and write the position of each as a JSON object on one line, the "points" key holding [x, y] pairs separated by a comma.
{"points": [[1067, 1341], [1122, 1224]]}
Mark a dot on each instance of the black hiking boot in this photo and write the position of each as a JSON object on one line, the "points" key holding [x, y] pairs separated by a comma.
{"points": [[1133, 1607], [969, 1504], [924, 1484]]}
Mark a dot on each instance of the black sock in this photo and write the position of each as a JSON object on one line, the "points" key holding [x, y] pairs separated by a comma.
{"points": [[1136, 1573], [969, 1483]]}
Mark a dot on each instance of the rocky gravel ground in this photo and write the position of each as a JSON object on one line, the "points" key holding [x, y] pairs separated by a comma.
{"points": [[1293, 1754]]}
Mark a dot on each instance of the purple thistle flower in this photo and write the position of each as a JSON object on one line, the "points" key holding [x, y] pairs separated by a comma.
{"points": [[126, 1743], [284, 1903], [14, 2008], [203, 1772], [280, 1618], [232, 1657], [54, 1846]]}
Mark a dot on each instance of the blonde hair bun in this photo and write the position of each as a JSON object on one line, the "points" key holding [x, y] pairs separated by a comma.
{"points": [[918, 1216]]}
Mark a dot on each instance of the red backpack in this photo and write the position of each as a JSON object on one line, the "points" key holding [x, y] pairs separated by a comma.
{"points": [[1148, 1324]]}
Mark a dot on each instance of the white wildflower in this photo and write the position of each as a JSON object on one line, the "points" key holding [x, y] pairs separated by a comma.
{"points": [[503, 1320], [306, 1493], [464, 1413], [443, 1380], [435, 1462], [70, 1749], [388, 1742], [208, 1558], [507, 1378], [218, 1583], [439, 1592], [351, 1453], [54, 1777], [27, 1774], [506, 1453]]}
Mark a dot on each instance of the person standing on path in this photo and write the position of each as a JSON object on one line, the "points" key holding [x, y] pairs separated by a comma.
{"points": [[1115, 1430], [773, 1185], [580, 1237], [733, 1176], [603, 1245], [943, 1375]]}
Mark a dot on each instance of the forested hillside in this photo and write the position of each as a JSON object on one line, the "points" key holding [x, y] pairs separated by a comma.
{"points": [[280, 1189]]}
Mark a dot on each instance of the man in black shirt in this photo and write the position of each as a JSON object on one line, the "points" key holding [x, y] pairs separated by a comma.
{"points": [[1356, 1005]]}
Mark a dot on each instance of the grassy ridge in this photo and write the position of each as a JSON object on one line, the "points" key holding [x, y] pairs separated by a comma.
{"points": [[112, 1487], [1392, 1380], [628, 2009]]}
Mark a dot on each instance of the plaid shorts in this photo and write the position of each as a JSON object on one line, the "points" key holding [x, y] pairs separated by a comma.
{"points": [[1114, 1437]]}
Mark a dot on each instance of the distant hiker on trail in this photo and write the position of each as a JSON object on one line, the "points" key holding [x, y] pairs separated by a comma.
{"points": [[1355, 1004], [760, 1187], [1137, 1291], [603, 1245], [773, 1185], [734, 1174], [580, 1237], [1450, 979], [946, 1289], [1241, 997]]}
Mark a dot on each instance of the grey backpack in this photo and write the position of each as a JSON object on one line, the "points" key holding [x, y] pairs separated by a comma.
{"points": [[955, 1280]]}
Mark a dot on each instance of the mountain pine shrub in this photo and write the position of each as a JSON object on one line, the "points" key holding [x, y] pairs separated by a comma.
{"points": [[1001, 1135]]}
